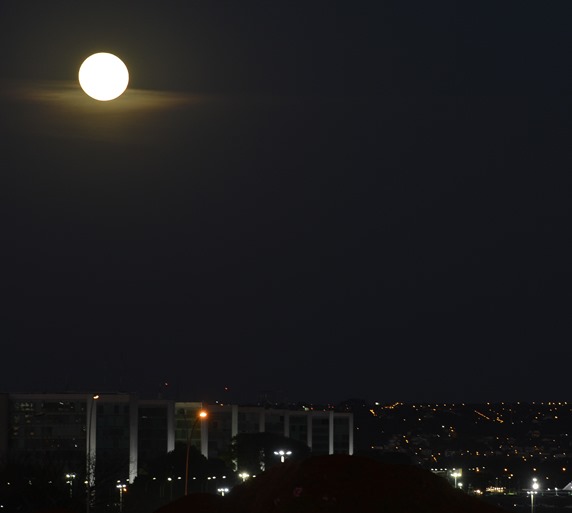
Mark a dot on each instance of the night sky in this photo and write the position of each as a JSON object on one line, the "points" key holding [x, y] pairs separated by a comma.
{"points": [[324, 200]]}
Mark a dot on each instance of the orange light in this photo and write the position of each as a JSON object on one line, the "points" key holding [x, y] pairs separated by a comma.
{"points": [[202, 414]]}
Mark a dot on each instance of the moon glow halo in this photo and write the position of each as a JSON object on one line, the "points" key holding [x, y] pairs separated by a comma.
{"points": [[103, 76]]}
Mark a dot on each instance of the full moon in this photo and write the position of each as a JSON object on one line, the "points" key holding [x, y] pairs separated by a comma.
{"points": [[103, 76]]}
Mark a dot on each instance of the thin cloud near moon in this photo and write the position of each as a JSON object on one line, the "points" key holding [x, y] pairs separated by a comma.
{"points": [[60, 109]]}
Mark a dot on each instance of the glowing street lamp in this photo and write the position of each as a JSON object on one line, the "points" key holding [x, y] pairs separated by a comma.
{"points": [[202, 415], [533, 492], [122, 488], [282, 454], [455, 475], [70, 477], [170, 481]]}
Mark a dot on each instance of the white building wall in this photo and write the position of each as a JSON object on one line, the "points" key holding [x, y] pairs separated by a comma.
{"points": [[234, 420], [90, 438], [331, 432], [171, 426], [133, 437], [205, 438], [351, 435]]}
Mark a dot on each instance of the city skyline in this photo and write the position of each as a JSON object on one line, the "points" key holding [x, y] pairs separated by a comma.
{"points": [[317, 200]]}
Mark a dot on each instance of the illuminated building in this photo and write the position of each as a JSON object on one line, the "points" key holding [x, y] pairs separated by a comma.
{"points": [[123, 431]]}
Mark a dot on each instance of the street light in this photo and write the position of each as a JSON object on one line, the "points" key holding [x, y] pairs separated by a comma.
{"points": [[455, 474], [170, 480], [70, 477], [202, 415], [282, 454], [533, 492], [122, 488]]}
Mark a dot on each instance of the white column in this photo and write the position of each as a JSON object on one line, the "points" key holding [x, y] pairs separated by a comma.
{"points": [[133, 437], [4, 408], [170, 426], [205, 437], [90, 439], [234, 421], [351, 433], [309, 436], [331, 432]]}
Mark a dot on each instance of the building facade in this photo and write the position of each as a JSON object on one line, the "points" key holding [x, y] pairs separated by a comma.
{"points": [[84, 433], [324, 432]]}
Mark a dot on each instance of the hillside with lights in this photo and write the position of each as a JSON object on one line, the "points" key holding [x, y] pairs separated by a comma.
{"points": [[338, 484], [497, 447]]}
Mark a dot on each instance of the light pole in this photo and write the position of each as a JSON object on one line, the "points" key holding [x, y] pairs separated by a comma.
{"points": [[455, 474], [202, 415], [533, 492], [122, 488], [90, 459], [282, 453], [70, 477], [170, 480]]}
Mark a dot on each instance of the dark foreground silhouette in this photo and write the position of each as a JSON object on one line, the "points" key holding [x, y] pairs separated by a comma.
{"points": [[337, 484]]}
